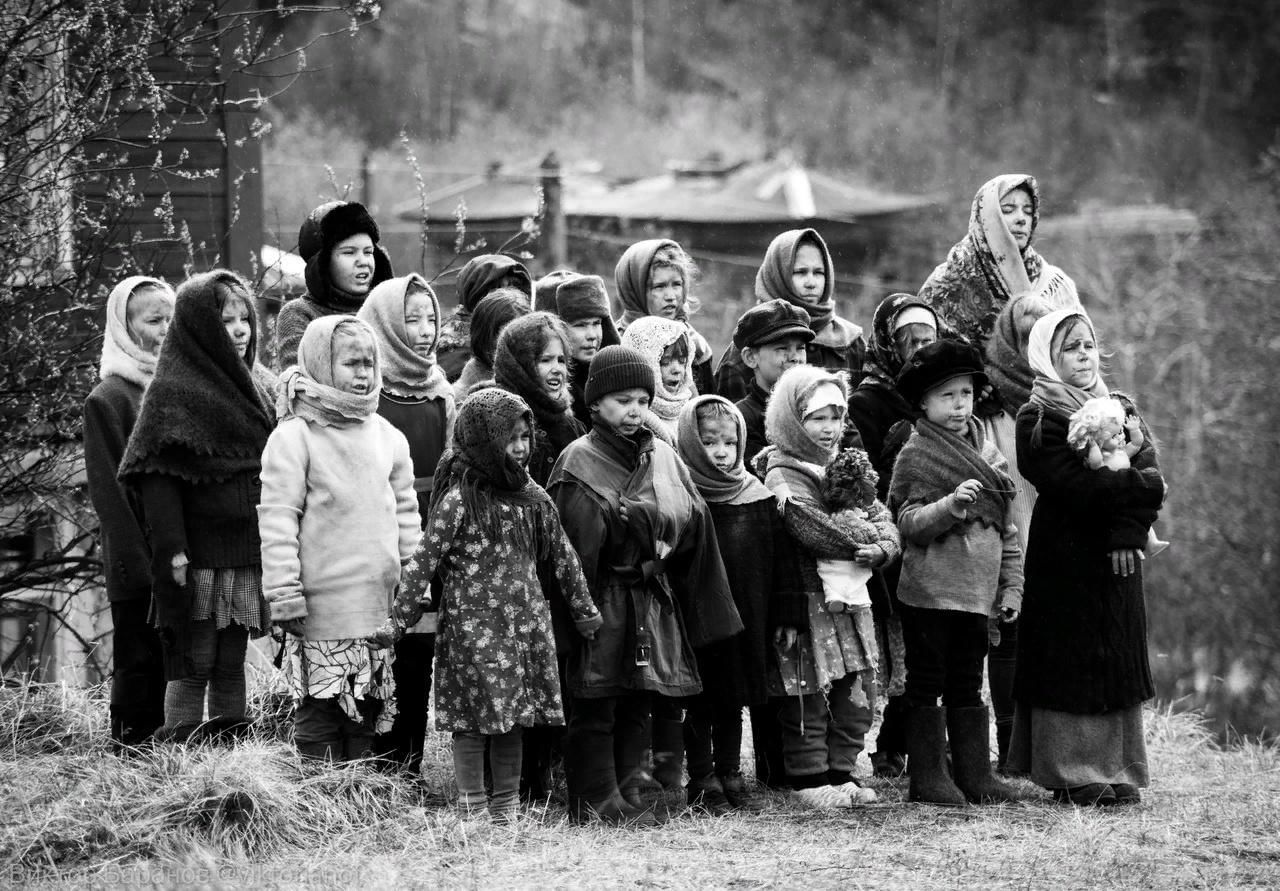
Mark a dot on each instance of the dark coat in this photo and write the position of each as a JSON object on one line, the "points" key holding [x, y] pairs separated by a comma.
{"points": [[874, 410], [752, 407], [109, 416], [1082, 635], [424, 423]]}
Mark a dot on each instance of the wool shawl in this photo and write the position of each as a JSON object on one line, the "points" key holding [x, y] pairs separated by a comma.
{"points": [[734, 486], [477, 463], [652, 335], [883, 362], [985, 269], [203, 418], [1049, 390], [307, 389], [785, 413], [935, 460], [773, 281], [515, 368], [405, 372], [1007, 364], [121, 356]]}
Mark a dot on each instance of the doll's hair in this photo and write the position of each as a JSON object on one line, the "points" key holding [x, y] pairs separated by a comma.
{"points": [[850, 481], [1087, 424]]}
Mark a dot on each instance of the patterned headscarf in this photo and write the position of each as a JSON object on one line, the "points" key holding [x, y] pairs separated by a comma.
{"points": [[405, 372], [307, 389], [121, 355], [883, 361]]}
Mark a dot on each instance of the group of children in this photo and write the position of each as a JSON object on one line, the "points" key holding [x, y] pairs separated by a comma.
{"points": [[560, 524]]}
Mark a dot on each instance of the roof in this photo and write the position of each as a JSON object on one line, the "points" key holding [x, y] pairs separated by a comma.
{"points": [[1134, 219]]}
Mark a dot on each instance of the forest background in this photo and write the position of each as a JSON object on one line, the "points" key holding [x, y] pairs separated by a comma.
{"points": [[1109, 103]]}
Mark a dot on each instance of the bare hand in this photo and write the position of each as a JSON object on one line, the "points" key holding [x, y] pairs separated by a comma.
{"points": [[784, 637], [1124, 561], [179, 566], [868, 555], [1134, 428]]}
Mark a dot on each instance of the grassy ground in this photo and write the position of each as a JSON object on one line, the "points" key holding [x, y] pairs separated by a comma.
{"points": [[74, 815]]}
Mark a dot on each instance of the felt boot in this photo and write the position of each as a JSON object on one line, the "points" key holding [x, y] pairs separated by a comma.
{"points": [[970, 732], [927, 754]]}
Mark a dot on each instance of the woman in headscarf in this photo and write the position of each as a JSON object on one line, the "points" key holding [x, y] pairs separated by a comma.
{"points": [[1082, 666]]}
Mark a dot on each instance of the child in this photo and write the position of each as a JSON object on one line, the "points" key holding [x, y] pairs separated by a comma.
{"points": [[495, 659], [139, 310], [194, 455], [653, 278], [582, 302], [418, 401], [824, 717], [665, 344], [760, 564], [770, 337], [339, 242], [491, 315], [961, 562], [649, 553], [338, 517], [797, 268], [479, 278]]}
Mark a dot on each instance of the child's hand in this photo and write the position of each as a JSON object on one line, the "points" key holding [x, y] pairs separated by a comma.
{"points": [[386, 636], [179, 566], [868, 555], [622, 512], [965, 494], [1008, 614], [296, 627], [1134, 428], [784, 637]]}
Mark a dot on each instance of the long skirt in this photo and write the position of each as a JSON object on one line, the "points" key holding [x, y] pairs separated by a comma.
{"points": [[1061, 750]]}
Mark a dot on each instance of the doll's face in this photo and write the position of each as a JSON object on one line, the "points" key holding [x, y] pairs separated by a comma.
{"points": [[1110, 435]]}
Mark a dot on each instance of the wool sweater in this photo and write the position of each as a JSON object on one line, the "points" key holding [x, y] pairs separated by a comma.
{"points": [[338, 517], [291, 323], [109, 416]]}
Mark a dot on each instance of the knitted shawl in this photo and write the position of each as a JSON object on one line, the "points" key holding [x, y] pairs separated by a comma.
{"points": [[935, 460], [984, 270], [203, 418], [121, 356], [734, 486], [405, 372], [773, 281], [477, 463], [883, 362], [515, 369], [784, 415], [650, 335], [307, 389]]}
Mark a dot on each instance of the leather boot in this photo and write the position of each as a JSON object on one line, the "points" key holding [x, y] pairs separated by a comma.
{"points": [[970, 732], [927, 754]]}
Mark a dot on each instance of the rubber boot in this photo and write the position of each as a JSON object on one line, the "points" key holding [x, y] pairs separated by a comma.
{"points": [[970, 732], [927, 755]]}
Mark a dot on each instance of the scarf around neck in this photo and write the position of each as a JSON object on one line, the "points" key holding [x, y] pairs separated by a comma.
{"points": [[935, 460], [785, 412], [1049, 390], [121, 355], [307, 389], [404, 371], [651, 335], [203, 418], [733, 486]]}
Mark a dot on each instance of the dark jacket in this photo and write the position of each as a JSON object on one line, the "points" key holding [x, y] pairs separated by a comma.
{"points": [[424, 423], [1082, 635], [752, 407], [109, 416]]}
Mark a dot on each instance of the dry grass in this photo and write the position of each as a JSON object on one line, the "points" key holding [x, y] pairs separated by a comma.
{"points": [[73, 815]]}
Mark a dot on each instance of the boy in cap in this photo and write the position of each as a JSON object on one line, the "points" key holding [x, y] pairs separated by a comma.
{"points": [[583, 304], [771, 337], [961, 563]]}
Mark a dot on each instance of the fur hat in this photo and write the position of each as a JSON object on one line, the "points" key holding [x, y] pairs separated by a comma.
{"points": [[936, 364], [617, 368], [325, 227], [544, 289]]}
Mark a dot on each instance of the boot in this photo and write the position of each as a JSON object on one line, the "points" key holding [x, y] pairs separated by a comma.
{"points": [[927, 754], [668, 752], [970, 732]]}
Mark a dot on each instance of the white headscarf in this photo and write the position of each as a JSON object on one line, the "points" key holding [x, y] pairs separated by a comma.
{"points": [[121, 355]]}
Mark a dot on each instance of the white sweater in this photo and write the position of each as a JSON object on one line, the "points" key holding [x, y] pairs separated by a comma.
{"points": [[337, 518]]}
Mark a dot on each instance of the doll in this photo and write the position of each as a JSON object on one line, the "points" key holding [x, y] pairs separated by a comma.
{"points": [[848, 493]]}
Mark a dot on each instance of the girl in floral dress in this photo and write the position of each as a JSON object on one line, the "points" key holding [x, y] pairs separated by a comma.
{"points": [[488, 526]]}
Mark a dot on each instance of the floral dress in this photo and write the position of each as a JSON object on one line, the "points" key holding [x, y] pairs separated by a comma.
{"points": [[495, 654]]}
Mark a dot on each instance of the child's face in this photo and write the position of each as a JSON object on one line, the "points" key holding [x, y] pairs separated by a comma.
{"points": [[719, 437], [1018, 213], [950, 404], [910, 338], [351, 264], [147, 317], [665, 296], [769, 360], [1077, 362], [671, 366], [520, 443], [584, 338], [623, 410], [808, 272], [420, 323], [353, 361], [825, 425], [238, 322], [552, 368]]}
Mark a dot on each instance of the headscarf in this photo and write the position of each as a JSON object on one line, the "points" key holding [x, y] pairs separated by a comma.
{"points": [[1049, 389], [1007, 364], [477, 463], [121, 355], [883, 361], [631, 278], [773, 281], [405, 372], [481, 275], [733, 486], [985, 270], [491, 315], [789, 404], [203, 418], [651, 335], [515, 368], [307, 389]]}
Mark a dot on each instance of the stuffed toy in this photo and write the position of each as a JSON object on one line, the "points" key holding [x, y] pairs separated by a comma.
{"points": [[848, 495]]}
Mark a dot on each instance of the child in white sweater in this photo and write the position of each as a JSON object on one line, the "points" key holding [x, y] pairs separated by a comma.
{"points": [[338, 517]]}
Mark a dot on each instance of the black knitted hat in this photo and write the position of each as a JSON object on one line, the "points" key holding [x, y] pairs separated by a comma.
{"points": [[936, 364], [617, 368]]}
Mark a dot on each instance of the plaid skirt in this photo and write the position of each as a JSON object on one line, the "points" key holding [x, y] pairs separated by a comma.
{"points": [[230, 595]]}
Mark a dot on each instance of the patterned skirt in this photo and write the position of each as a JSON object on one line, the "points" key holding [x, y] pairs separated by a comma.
{"points": [[345, 670]]}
